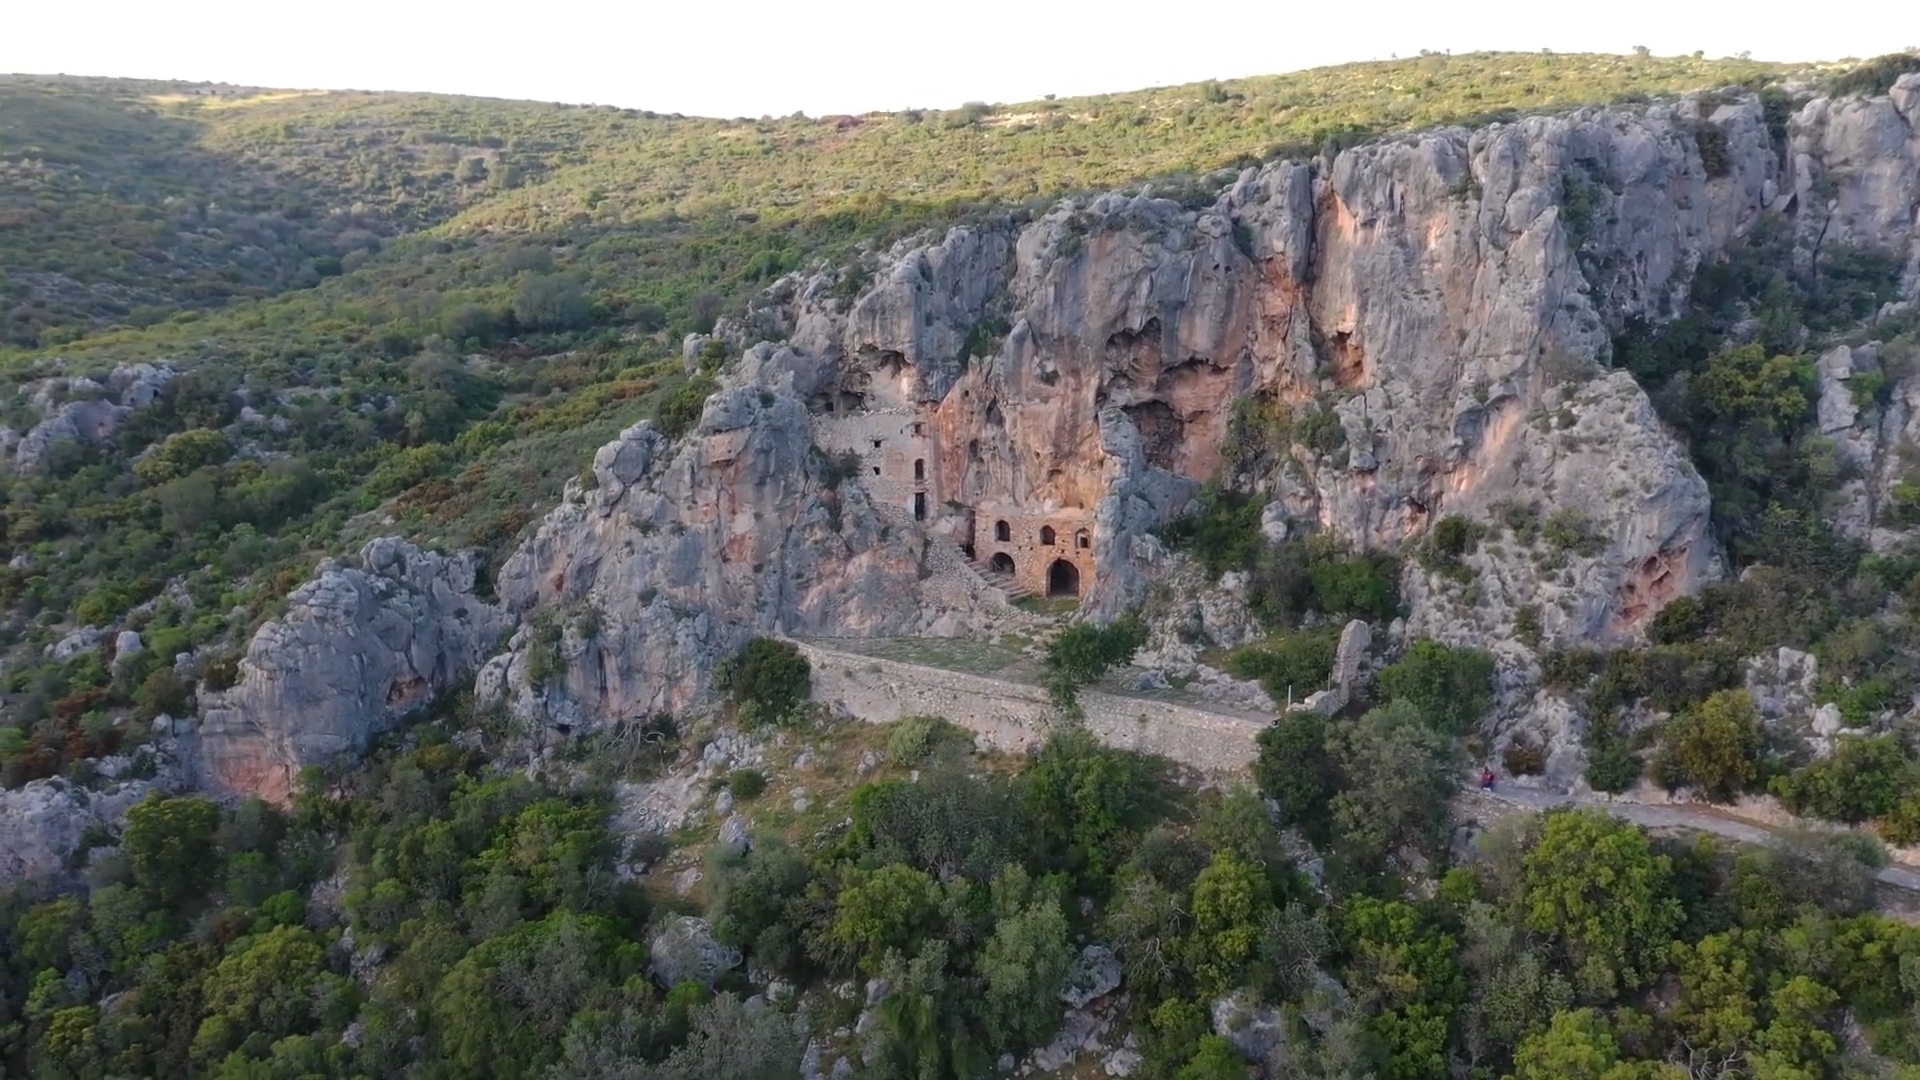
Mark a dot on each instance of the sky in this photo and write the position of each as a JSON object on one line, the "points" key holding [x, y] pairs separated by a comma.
{"points": [[754, 57]]}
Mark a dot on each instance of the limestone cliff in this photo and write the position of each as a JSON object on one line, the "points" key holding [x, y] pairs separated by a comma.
{"points": [[1445, 300], [359, 648], [1414, 328], [683, 548]]}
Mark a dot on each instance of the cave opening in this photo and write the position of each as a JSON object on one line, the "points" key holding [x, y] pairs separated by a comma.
{"points": [[1001, 562], [1063, 579]]}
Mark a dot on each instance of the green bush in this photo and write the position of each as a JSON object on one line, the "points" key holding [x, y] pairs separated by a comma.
{"points": [[679, 409], [769, 681], [1081, 654], [1451, 687], [1297, 663], [1223, 533], [1715, 746], [746, 784], [1861, 780], [914, 738]]}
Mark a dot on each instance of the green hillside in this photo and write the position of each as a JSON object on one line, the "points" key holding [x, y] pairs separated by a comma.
{"points": [[419, 314]]}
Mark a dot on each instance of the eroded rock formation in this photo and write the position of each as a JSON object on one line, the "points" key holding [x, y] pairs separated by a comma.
{"points": [[1411, 329], [359, 648], [684, 548]]}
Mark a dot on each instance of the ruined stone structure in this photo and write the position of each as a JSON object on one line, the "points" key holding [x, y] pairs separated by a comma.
{"points": [[1046, 549]]}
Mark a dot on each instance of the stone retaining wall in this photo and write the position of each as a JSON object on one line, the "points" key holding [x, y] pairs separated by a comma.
{"points": [[1014, 715]]}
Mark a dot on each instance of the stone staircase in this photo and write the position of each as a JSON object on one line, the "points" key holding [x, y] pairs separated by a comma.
{"points": [[1011, 588], [949, 564]]}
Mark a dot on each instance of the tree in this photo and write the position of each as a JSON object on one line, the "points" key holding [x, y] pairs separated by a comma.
{"points": [[1083, 796], [1230, 910], [1400, 779], [1296, 771], [1578, 1045], [170, 845], [1081, 654], [279, 986], [1452, 688], [1024, 963], [770, 680], [1215, 1060], [883, 911], [551, 302], [730, 1041], [1716, 744], [1595, 885]]}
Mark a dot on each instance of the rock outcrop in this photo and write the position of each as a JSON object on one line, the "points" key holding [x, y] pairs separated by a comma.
{"points": [[1414, 328], [84, 410], [44, 823], [359, 648], [684, 548]]}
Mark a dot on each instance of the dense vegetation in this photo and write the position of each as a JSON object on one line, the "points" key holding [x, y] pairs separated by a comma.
{"points": [[434, 915]]}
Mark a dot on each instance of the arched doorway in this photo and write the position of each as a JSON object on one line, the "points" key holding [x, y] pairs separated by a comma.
{"points": [[1063, 579], [1002, 531], [1047, 536], [1001, 562]]}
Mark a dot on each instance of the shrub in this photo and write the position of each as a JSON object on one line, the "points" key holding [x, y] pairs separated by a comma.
{"points": [[1611, 765], [1524, 757], [769, 680], [1452, 687], [1715, 746], [1296, 663], [680, 408], [746, 784], [551, 302], [1451, 539], [914, 738], [1224, 533], [1862, 779], [1081, 654]]}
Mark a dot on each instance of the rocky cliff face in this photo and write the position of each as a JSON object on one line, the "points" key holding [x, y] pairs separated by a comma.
{"points": [[1411, 329], [682, 549], [359, 648], [1437, 308]]}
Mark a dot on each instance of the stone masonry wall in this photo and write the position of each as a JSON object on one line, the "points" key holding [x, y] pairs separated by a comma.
{"points": [[1013, 715]]}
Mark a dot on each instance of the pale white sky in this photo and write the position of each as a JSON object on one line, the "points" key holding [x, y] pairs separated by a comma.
{"points": [[751, 57]]}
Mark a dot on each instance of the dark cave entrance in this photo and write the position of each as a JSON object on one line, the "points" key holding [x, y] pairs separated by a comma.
{"points": [[1002, 562], [1063, 579]]}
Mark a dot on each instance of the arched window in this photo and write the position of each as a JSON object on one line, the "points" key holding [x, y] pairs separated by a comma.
{"points": [[1047, 536], [1002, 531], [919, 469], [1082, 540]]}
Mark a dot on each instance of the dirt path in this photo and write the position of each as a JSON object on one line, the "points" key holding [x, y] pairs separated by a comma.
{"points": [[1670, 817]]}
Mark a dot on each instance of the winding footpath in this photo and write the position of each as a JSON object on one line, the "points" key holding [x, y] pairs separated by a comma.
{"points": [[1652, 816]]}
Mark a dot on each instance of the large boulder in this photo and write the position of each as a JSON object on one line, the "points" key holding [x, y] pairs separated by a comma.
{"points": [[360, 647], [43, 823]]}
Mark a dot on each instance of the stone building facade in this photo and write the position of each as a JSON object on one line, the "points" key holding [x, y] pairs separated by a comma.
{"points": [[1047, 549], [896, 454]]}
